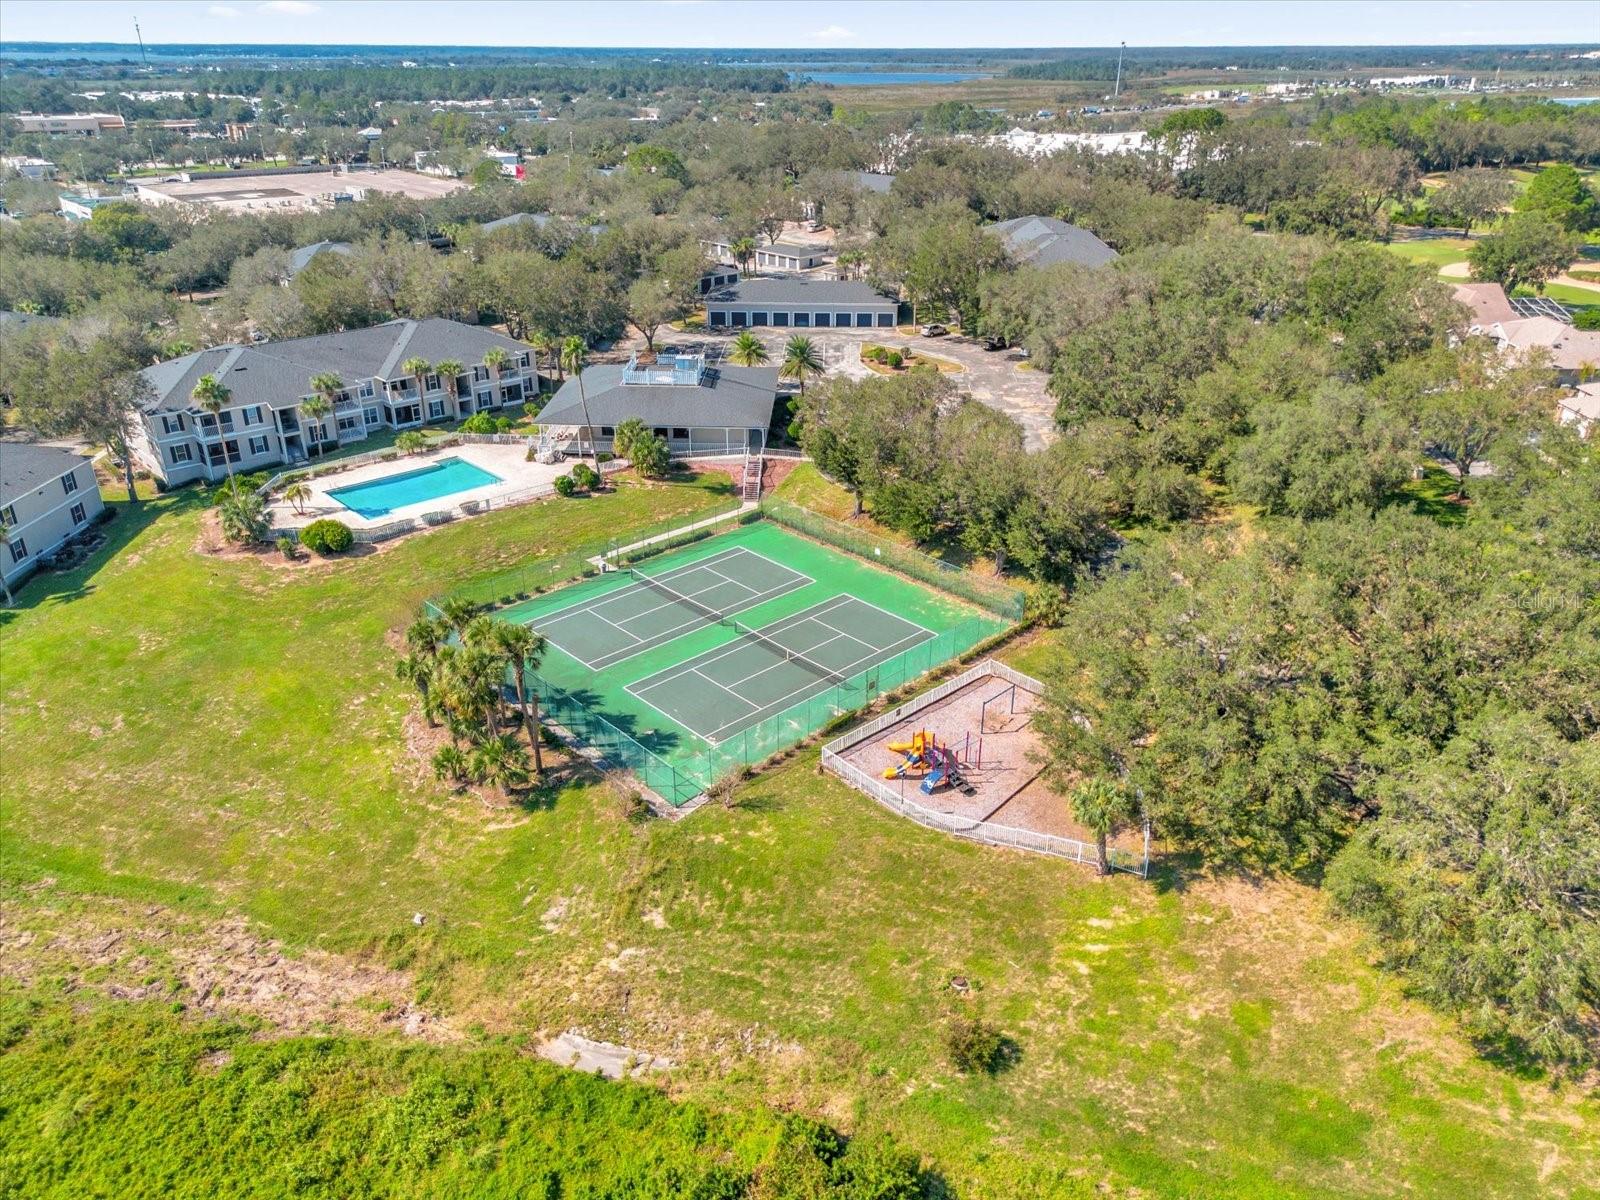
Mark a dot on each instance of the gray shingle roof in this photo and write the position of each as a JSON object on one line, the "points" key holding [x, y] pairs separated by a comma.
{"points": [[799, 293], [727, 398], [300, 258], [1044, 241], [278, 374], [25, 466], [794, 248], [873, 181]]}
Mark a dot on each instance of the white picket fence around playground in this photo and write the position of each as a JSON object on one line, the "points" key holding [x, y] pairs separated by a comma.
{"points": [[990, 833]]}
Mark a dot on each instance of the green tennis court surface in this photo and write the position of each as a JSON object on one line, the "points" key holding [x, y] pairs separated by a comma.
{"points": [[734, 648]]}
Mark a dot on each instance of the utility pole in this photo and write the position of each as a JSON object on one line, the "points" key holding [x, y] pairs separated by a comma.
{"points": [[1116, 89]]}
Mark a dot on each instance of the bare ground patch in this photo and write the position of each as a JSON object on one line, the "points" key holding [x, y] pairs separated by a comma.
{"points": [[221, 967]]}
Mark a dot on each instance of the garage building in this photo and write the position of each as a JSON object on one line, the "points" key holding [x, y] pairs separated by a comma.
{"points": [[801, 304]]}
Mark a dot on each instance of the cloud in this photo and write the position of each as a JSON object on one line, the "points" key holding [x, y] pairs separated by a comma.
{"points": [[288, 8], [833, 33], [223, 10]]}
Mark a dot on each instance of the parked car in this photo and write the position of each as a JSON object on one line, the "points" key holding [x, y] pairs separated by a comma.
{"points": [[995, 342], [933, 331]]}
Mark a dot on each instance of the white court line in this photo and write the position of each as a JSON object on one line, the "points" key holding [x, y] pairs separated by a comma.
{"points": [[781, 702], [662, 637], [578, 606]]}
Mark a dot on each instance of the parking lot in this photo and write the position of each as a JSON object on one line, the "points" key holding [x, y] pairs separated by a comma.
{"points": [[996, 378]]}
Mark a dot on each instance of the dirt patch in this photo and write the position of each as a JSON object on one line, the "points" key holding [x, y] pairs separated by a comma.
{"points": [[211, 543], [220, 967]]}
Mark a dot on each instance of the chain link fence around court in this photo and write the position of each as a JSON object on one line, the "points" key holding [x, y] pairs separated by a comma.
{"points": [[679, 778], [997, 597]]}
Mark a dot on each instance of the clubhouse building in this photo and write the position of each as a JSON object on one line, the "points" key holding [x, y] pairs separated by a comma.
{"points": [[694, 406], [264, 424]]}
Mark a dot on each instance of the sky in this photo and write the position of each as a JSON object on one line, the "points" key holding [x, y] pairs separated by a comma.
{"points": [[834, 24]]}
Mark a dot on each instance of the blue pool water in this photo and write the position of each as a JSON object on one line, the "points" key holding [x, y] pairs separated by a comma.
{"points": [[380, 497]]}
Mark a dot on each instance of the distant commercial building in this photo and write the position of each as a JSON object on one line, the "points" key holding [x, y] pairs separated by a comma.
{"points": [[79, 207], [29, 168], [69, 124], [47, 497], [798, 303]]}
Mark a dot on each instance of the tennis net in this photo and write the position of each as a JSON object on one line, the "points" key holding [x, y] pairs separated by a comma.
{"points": [[739, 627]]}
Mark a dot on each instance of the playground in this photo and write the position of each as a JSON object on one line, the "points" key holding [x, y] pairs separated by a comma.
{"points": [[966, 755]]}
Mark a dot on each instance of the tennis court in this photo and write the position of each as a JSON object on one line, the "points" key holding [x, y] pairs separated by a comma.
{"points": [[734, 648]]}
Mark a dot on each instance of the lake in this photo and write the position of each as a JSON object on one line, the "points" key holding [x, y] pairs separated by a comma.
{"points": [[886, 78]]}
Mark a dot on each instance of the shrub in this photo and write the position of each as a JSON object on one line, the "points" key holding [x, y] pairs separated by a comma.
{"points": [[651, 456], [327, 536], [410, 442], [1587, 318], [896, 360], [485, 423], [628, 433], [564, 485], [585, 477], [974, 1046], [288, 548]]}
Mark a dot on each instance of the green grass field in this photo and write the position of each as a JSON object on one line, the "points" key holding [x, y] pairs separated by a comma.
{"points": [[192, 739]]}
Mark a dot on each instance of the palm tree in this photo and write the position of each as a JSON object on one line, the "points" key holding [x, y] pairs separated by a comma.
{"points": [[573, 351], [800, 359], [1103, 807], [743, 250], [325, 389], [450, 763], [212, 395], [314, 410], [5, 542], [747, 350], [417, 368], [500, 762], [521, 648], [544, 342], [457, 613], [450, 376], [496, 360], [242, 514], [297, 493]]}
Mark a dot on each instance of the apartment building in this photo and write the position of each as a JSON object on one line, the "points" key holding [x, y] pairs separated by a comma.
{"points": [[263, 423], [47, 497]]}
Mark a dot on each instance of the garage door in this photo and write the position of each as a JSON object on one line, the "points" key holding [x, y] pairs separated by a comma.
{"points": [[864, 320], [758, 318], [824, 320], [885, 320], [716, 318], [842, 320], [780, 318], [739, 320], [802, 319]]}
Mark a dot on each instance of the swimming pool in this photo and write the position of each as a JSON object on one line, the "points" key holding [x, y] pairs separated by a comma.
{"points": [[380, 497]]}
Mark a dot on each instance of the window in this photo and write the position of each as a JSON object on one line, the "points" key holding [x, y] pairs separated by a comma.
{"points": [[681, 435], [69, 482], [181, 453], [8, 514], [366, 390], [172, 423], [19, 549], [227, 422], [479, 374], [373, 416], [435, 410], [252, 415], [216, 453], [485, 399], [432, 382], [259, 445], [349, 425], [660, 431], [608, 431], [522, 360], [76, 513], [512, 393]]}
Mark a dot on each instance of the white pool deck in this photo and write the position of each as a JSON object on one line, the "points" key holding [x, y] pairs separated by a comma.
{"points": [[517, 477]]}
